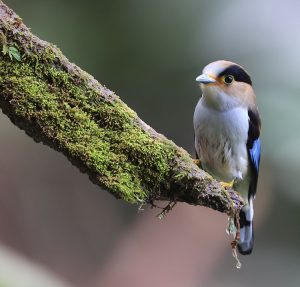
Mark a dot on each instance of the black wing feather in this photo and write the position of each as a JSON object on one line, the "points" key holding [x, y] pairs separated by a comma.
{"points": [[253, 147]]}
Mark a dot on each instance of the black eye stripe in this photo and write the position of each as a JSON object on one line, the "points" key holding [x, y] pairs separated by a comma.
{"points": [[239, 74]]}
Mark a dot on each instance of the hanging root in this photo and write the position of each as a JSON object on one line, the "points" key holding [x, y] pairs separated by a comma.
{"points": [[141, 207], [235, 219], [166, 209]]}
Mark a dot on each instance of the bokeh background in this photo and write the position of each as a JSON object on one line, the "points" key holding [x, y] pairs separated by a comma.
{"points": [[58, 229]]}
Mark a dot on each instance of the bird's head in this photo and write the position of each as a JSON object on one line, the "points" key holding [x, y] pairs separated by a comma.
{"points": [[226, 85]]}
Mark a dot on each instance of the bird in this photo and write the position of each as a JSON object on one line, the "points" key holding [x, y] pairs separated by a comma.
{"points": [[227, 128]]}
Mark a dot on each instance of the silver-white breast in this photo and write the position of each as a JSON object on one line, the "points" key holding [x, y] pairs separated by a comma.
{"points": [[220, 140]]}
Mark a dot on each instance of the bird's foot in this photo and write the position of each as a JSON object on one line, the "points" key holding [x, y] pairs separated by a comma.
{"points": [[227, 185], [197, 162]]}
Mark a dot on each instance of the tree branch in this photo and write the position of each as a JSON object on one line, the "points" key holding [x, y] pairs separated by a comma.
{"points": [[57, 103]]}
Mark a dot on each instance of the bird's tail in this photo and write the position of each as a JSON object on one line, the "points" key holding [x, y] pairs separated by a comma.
{"points": [[245, 244]]}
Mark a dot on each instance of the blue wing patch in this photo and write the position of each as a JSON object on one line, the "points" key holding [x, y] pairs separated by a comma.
{"points": [[254, 153]]}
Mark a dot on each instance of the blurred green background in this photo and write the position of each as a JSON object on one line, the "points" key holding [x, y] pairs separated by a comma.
{"points": [[149, 53]]}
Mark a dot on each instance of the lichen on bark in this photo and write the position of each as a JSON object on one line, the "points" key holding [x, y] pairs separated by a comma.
{"points": [[57, 103]]}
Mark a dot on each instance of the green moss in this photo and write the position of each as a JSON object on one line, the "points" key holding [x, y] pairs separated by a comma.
{"points": [[93, 132]]}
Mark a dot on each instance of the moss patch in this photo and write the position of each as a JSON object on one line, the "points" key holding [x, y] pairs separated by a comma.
{"points": [[100, 136]]}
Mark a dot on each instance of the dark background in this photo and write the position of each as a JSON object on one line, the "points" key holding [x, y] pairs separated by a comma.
{"points": [[55, 220]]}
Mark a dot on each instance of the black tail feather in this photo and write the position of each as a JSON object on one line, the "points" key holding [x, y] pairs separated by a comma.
{"points": [[245, 244]]}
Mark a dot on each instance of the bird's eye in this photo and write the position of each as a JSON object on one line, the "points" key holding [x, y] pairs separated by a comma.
{"points": [[228, 79]]}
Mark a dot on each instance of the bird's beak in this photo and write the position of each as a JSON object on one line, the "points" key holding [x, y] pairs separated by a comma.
{"points": [[205, 79]]}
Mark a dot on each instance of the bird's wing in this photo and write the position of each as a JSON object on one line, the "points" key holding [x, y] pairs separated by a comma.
{"points": [[253, 147]]}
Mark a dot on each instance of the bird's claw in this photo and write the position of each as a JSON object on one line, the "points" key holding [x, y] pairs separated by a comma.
{"points": [[197, 162], [227, 185]]}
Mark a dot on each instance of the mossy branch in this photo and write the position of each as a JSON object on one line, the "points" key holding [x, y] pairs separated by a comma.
{"points": [[57, 103]]}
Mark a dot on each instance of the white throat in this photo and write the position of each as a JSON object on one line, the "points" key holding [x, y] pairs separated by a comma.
{"points": [[214, 97]]}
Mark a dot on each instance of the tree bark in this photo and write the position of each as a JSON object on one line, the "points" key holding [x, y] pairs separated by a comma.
{"points": [[60, 105]]}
